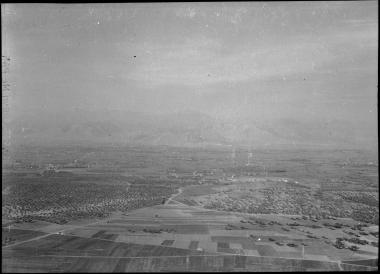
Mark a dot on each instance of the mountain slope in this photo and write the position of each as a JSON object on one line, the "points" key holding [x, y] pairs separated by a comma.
{"points": [[183, 129]]}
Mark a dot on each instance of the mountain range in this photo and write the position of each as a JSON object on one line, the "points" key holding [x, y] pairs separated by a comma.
{"points": [[187, 128]]}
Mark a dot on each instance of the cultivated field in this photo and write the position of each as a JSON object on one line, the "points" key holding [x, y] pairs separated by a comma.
{"points": [[134, 209], [122, 242]]}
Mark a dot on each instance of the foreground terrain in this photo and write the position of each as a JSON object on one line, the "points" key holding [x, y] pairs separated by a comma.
{"points": [[110, 209], [178, 237]]}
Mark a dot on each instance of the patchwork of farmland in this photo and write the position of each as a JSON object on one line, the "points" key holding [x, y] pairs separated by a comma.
{"points": [[123, 209], [176, 238]]}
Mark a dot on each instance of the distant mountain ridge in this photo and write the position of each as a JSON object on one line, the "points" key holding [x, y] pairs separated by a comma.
{"points": [[182, 129]]}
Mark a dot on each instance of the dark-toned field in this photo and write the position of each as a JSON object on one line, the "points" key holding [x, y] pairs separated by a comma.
{"points": [[10, 236]]}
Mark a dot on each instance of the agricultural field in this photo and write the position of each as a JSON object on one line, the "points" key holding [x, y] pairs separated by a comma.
{"points": [[110, 209], [60, 199], [155, 236], [10, 236]]}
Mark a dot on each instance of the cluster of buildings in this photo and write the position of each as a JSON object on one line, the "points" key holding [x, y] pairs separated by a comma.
{"points": [[200, 177]]}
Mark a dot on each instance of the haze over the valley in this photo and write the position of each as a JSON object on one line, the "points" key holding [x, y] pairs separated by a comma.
{"points": [[262, 74]]}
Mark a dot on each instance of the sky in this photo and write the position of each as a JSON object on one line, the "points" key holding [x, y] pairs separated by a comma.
{"points": [[303, 61]]}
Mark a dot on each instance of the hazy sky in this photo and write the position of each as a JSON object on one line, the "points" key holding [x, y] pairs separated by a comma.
{"points": [[299, 60]]}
